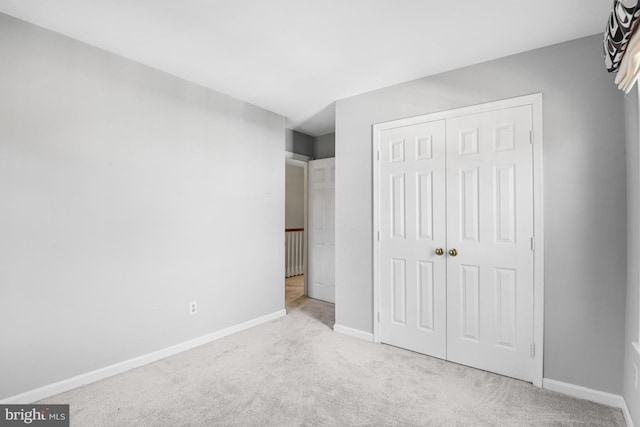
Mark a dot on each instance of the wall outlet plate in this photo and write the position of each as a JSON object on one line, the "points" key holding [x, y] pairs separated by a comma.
{"points": [[193, 308]]}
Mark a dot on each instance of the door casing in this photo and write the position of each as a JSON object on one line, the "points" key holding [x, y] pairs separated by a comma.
{"points": [[535, 101]]}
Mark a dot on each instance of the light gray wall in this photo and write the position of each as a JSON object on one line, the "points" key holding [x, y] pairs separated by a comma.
{"points": [[325, 146], [294, 197], [585, 210], [631, 393], [299, 143], [126, 194]]}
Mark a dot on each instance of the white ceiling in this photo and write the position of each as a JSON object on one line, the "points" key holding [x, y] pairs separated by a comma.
{"points": [[296, 57]]}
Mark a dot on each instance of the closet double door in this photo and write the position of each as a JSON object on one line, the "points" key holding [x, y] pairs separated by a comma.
{"points": [[455, 243]]}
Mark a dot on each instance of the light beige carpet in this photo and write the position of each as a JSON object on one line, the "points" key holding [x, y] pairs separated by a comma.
{"points": [[296, 371]]}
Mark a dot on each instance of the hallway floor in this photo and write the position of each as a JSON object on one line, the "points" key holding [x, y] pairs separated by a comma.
{"points": [[293, 289]]}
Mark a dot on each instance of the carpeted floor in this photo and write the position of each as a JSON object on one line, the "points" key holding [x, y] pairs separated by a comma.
{"points": [[296, 371]]}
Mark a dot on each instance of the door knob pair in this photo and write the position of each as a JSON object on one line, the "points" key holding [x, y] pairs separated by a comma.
{"points": [[452, 252]]}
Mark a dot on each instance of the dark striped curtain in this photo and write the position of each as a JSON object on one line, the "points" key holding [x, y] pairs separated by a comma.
{"points": [[622, 23]]}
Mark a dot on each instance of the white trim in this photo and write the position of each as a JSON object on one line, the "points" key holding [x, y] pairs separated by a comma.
{"points": [[288, 155], [304, 164], [517, 101], [535, 101], [596, 396], [627, 414], [118, 368], [538, 232], [580, 392], [375, 158], [305, 246], [296, 162], [355, 333]]}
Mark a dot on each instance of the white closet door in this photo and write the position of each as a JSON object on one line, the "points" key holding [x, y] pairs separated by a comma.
{"points": [[464, 184], [321, 232], [490, 226], [412, 227]]}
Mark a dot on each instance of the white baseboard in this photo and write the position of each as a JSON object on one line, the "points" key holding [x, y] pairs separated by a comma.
{"points": [[356, 333], [601, 397], [627, 415], [580, 392], [118, 368]]}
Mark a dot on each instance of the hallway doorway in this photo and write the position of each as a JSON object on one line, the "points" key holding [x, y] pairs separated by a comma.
{"points": [[295, 228]]}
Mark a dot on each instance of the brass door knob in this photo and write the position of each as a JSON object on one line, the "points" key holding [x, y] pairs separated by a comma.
{"points": [[439, 251], [453, 252]]}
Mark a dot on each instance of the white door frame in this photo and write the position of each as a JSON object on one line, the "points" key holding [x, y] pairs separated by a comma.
{"points": [[299, 160], [535, 101]]}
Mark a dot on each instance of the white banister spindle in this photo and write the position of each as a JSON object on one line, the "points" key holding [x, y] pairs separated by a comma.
{"points": [[294, 252]]}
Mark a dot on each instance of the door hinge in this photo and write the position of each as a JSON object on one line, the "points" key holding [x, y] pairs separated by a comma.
{"points": [[378, 236], [531, 137], [532, 350], [378, 155], [378, 317], [533, 243]]}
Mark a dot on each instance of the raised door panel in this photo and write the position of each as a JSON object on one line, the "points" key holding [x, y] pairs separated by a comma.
{"points": [[469, 208], [399, 291], [506, 307], [469, 301], [505, 204], [425, 206], [426, 301], [398, 206]]}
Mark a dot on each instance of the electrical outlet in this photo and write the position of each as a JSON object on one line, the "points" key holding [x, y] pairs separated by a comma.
{"points": [[635, 375], [193, 308]]}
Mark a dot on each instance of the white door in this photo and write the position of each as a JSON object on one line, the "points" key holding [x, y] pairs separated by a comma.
{"points": [[464, 185], [412, 227], [490, 226], [321, 226]]}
